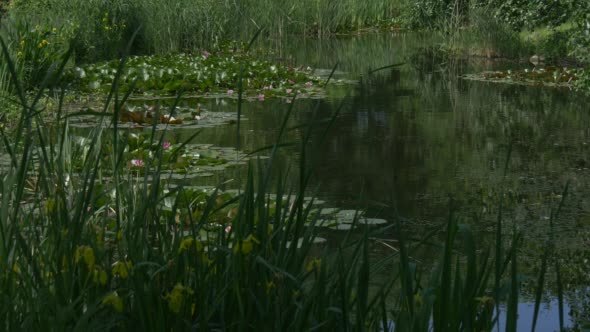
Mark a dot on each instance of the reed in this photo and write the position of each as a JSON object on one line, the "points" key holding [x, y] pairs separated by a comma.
{"points": [[104, 246], [99, 28]]}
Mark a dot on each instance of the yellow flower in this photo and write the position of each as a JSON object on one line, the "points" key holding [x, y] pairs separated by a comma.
{"points": [[85, 254], [418, 300], [100, 276], [314, 264], [205, 259], [114, 301], [122, 269], [270, 285], [16, 268], [246, 246], [188, 242], [49, 204], [485, 300], [176, 297], [43, 43], [185, 244]]}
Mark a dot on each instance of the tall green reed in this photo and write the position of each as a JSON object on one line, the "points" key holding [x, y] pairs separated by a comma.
{"points": [[101, 27], [95, 248], [100, 248]]}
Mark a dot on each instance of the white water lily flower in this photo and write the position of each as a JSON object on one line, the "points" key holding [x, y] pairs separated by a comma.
{"points": [[80, 72]]}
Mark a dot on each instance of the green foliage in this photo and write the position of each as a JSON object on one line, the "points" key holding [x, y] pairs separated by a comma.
{"points": [[427, 14], [102, 27], [314, 17], [95, 245], [579, 43], [34, 49], [543, 76], [206, 72], [533, 13], [489, 36]]}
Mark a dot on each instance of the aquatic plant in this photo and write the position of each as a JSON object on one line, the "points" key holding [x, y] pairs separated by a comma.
{"points": [[215, 73], [545, 76], [102, 28], [88, 243]]}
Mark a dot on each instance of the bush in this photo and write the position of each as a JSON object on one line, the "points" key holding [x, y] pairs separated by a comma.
{"points": [[533, 13]]}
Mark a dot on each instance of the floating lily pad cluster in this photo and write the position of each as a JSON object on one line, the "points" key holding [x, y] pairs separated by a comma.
{"points": [[178, 161], [546, 76], [162, 117], [329, 217], [344, 220], [195, 73], [226, 205], [185, 161]]}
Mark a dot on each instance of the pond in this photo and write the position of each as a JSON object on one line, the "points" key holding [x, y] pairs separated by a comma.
{"points": [[410, 138]]}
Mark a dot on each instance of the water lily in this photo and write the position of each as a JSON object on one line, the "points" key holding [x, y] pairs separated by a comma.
{"points": [[230, 92], [137, 162], [308, 84], [289, 91], [205, 54], [261, 97], [166, 145]]}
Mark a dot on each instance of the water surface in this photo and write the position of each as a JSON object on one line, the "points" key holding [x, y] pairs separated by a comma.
{"points": [[410, 139]]}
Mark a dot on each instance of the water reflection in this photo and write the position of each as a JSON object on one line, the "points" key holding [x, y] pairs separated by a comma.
{"points": [[415, 135]]}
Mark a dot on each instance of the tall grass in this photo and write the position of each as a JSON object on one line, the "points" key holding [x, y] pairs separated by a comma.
{"points": [[106, 247], [96, 249], [101, 27]]}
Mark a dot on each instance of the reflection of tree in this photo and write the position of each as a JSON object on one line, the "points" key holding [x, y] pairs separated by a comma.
{"points": [[433, 134], [372, 148], [420, 133]]}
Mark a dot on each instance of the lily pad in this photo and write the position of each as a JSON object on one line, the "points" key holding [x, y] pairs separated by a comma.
{"points": [[543, 76], [326, 211], [317, 241]]}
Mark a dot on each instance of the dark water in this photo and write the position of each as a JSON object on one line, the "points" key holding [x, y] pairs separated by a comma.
{"points": [[410, 138], [416, 135]]}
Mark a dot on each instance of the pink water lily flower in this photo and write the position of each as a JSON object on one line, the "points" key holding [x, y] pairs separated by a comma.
{"points": [[166, 145], [137, 162], [261, 97], [230, 92]]}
